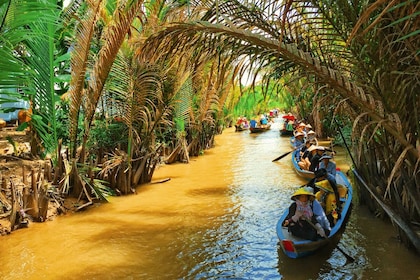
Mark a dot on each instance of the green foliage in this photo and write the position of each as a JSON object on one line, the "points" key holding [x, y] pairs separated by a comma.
{"points": [[255, 102], [345, 128], [98, 187], [28, 36], [107, 136]]}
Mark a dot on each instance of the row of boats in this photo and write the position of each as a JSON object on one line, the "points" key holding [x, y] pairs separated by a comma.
{"points": [[295, 247]]}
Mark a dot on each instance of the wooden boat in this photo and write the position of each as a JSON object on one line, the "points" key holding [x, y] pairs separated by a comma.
{"points": [[301, 172], [240, 128], [261, 128], [285, 132], [295, 247]]}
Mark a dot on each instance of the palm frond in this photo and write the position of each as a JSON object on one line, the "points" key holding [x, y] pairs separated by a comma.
{"points": [[16, 17], [79, 62], [113, 38], [244, 38]]}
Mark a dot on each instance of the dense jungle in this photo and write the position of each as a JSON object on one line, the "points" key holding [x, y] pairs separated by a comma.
{"points": [[115, 88]]}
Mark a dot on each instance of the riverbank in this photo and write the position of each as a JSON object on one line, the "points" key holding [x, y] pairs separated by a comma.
{"points": [[17, 171]]}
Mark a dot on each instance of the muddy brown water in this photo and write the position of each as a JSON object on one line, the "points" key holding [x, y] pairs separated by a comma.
{"points": [[215, 219]]}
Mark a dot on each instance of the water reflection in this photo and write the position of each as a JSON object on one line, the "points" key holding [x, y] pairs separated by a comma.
{"points": [[215, 219]]}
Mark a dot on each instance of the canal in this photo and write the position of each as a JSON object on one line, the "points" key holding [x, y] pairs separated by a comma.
{"points": [[214, 219]]}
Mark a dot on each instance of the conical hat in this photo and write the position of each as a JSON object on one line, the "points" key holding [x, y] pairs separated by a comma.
{"points": [[325, 186], [302, 190]]}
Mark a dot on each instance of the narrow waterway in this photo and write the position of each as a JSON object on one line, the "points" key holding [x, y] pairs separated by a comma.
{"points": [[215, 219]]}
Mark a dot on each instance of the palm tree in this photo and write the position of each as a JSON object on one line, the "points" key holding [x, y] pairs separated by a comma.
{"points": [[132, 88], [29, 62], [362, 56], [85, 96], [135, 88]]}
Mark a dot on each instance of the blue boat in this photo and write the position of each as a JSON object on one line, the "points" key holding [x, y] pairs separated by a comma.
{"points": [[301, 172], [295, 247]]}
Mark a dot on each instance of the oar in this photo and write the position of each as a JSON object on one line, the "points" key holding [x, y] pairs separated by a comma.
{"points": [[285, 154], [345, 142], [282, 156]]}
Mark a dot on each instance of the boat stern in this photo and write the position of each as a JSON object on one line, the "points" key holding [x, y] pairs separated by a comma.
{"points": [[288, 248]]}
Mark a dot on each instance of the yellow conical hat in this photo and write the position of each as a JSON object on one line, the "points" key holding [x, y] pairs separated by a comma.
{"points": [[303, 190]]}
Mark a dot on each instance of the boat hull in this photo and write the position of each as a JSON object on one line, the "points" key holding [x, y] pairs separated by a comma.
{"points": [[239, 128], [284, 132], [260, 129], [301, 172]]}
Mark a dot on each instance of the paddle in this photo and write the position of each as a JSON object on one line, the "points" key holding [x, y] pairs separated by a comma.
{"points": [[282, 156], [345, 142], [285, 154]]}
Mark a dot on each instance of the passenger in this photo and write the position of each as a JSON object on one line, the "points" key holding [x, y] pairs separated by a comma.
{"points": [[300, 128], [326, 162], [328, 194], [298, 142], [307, 128], [314, 163], [311, 136], [245, 122], [289, 126], [304, 154], [263, 120], [319, 213], [301, 219], [253, 123], [239, 122], [311, 162]]}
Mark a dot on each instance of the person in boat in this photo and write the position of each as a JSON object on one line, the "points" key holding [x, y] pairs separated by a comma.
{"points": [[245, 122], [263, 120], [307, 128], [311, 162], [311, 136], [319, 212], [314, 163], [298, 143], [327, 194], [326, 162], [289, 126], [299, 140], [253, 123], [301, 220], [305, 155], [300, 128], [238, 123]]}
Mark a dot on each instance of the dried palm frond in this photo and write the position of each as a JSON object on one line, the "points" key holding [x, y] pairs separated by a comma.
{"points": [[79, 63]]}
